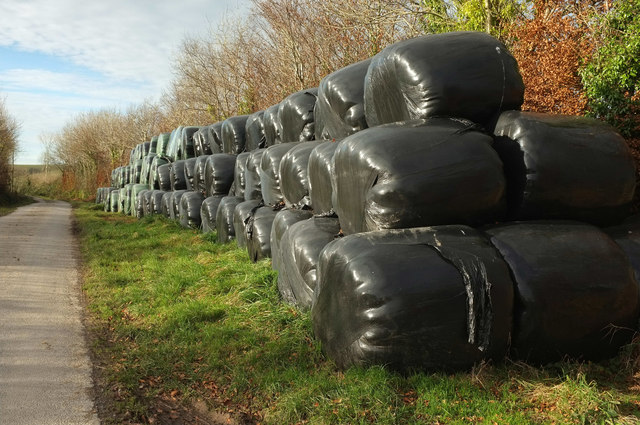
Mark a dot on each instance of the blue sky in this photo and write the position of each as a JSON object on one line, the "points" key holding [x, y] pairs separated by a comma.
{"points": [[59, 58]]}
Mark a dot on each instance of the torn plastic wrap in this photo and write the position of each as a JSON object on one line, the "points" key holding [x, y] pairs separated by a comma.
{"points": [[627, 236], [199, 180], [163, 177], [214, 137], [294, 181], [418, 173], [208, 212], [320, 172], [224, 218], [189, 172], [190, 204], [156, 202], [177, 176], [575, 290], [457, 74], [413, 299], [174, 213], [564, 167], [270, 173], [254, 132], [272, 125], [166, 204], [239, 175], [296, 116], [252, 187], [300, 249], [233, 134], [258, 231], [157, 162], [339, 110], [241, 216], [218, 173], [135, 191], [283, 220]]}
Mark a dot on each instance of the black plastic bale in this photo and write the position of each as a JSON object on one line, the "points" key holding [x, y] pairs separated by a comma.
{"points": [[137, 171], [166, 204], [189, 172], [140, 203], [147, 208], [177, 176], [252, 187], [433, 298], [576, 294], [272, 125], [237, 189], [457, 74], [164, 177], [190, 204], [186, 149], [174, 213], [163, 142], [145, 174], [565, 167], [258, 231], [218, 173], [122, 193], [270, 172], [156, 201], [201, 142], [339, 110], [283, 220], [215, 137], [224, 218], [627, 236], [157, 181], [300, 249], [254, 132], [111, 204], [241, 216], [208, 212], [294, 181], [127, 199], [233, 134], [320, 173], [296, 116], [199, 181], [419, 173], [135, 193]]}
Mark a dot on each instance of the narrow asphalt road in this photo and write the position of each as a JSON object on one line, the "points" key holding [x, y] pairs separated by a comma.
{"points": [[45, 372]]}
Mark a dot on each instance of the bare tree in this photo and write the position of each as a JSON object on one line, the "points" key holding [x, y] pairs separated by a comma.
{"points": [[9, 131]]}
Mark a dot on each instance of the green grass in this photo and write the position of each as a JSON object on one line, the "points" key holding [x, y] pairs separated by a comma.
{"points": [[9, 202], [182, 316]]}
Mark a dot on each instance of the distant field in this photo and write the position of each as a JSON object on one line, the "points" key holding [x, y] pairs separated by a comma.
{"points": [[36, 174]]}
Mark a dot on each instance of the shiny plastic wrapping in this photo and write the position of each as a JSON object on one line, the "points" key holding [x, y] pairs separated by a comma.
{"points": [[575, 290], [190, 172], [294, 181], [339, 110], [147, 207], [215, 137], [208, 212], [163, 177], [241, 216], [163, 142], [201, 144], [166, 204], [174, 213], [564, 167], [296, 116], [122, 194], [254, 132], [258, 232], [457, 74], [114, 197], [178, 177], [153, 171], [156, 201], [128, 191], [233, 134], [320, 172], [135, 191], [270, 172], [190, 204], [145, 174], [283, 220], [199, 181], [237, 189], [272, 125], [252, 187], [187, 149], [419, 173], [137, 171], [140, 198], [300, 249], [224, 218], [627, 236], [218, 173], [413, 299]]}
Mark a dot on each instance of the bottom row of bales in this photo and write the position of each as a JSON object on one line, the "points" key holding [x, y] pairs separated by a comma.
{"points": [[440, 297]]}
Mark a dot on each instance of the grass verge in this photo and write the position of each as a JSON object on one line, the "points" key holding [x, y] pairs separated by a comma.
{"points": [[9, 202], [179, 320]]}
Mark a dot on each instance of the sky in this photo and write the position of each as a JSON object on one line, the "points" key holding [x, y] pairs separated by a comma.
{"points": [[59, 58]]}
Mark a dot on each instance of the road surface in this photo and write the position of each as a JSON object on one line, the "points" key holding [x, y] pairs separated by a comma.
{"points": [[45, 371]]}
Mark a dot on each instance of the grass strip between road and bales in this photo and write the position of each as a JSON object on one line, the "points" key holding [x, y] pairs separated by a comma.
{"points": [[176, 316]]}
